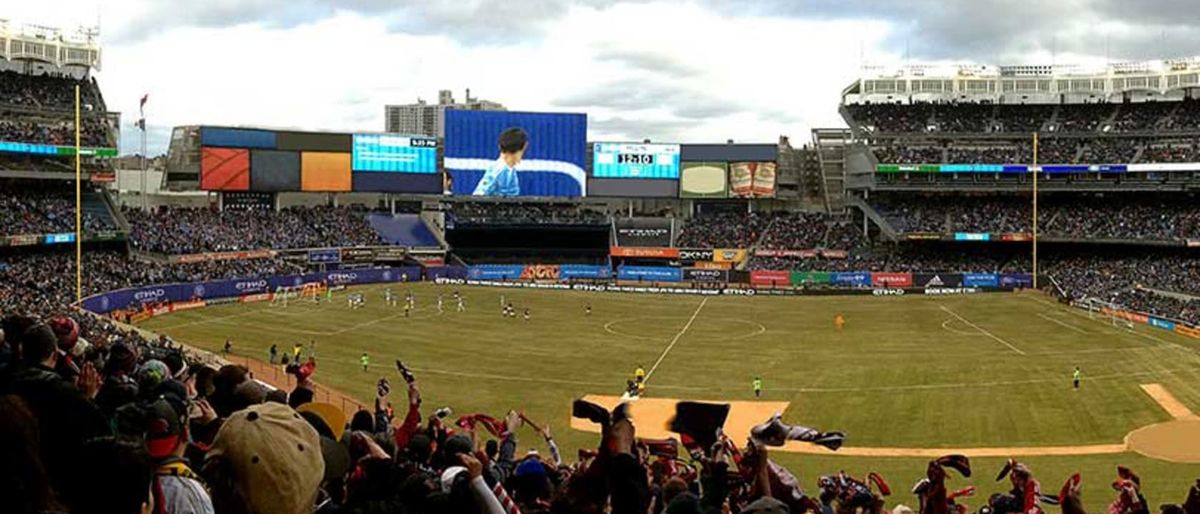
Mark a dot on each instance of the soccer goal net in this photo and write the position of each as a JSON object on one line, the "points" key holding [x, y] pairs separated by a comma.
{"points": [[311, 292], [1108, 311]]}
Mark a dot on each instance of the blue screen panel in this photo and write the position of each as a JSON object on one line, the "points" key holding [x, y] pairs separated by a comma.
{"points": [[394, 153], [553, 164], [635, 160]]}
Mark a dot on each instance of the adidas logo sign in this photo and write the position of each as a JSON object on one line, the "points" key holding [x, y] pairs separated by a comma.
{"points": [[935, 281]]}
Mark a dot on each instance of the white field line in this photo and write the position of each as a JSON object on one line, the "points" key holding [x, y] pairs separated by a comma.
{"points": [[1067, 326], [675, 340], [982, 331]]}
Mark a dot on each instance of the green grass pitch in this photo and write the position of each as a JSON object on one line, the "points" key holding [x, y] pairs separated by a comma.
{"points": [[913, 371]]}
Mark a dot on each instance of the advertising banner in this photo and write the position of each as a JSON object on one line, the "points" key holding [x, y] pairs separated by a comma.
{"points": [[495, 272], [224, 169], [643, 232], [1164, 324], [1187, 331], [540, 272], [729, 255], [981, 280], [712, 265], [704, 180], [276, 171], [705, 275], [391, 253], [770, 278], [1016, 237], [1014, 280], [852, 279], [635, 251], [325, 256], [892, 279], [1193, 243], [691, 255], [811, 278], [355, 255], [571, 271], [937, 279], [922, 236], [835, 254], [553, 165], [650, 273], [971, 236], [223, 256], [752, 179], [436, 272]]}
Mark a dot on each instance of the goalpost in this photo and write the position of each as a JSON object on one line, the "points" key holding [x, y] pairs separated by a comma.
{"points": [[1113, 313], [311, 291]]}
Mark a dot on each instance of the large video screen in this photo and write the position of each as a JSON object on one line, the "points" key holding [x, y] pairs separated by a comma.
{"points": [[394, 153], [552, 164], [752, 179], [635, 160]]}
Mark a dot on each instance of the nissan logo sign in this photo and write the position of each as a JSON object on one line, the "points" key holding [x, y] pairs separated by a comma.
{"points": [[149, 294], [257, 284]]}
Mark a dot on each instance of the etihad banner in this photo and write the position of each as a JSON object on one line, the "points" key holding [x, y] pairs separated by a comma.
{"points": [[892, 280], [937, 279], [800, 278], [234, 288], [690, 255], [651, 253], [770, 278], [705, 275], [729, 255], [540, 272]]}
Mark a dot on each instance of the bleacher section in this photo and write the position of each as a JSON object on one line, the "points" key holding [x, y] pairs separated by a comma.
{"points": [[403, 230]]}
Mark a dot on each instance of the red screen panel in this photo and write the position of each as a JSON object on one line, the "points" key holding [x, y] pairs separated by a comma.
{"points": [[224, 169]]}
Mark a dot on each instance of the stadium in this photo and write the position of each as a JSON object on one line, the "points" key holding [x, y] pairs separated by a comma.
{"points": [[989, 269]]}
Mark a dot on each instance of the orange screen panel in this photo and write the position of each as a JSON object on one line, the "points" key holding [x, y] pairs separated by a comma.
{"points": [[224, 169], [324, 171]]}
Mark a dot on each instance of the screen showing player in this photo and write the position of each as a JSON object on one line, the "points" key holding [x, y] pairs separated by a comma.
{"points": [[510, 154]]}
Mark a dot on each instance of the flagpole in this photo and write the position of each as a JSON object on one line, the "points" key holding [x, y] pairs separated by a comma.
{"points": [[142, 122], [78, 207], [1036, 172]]}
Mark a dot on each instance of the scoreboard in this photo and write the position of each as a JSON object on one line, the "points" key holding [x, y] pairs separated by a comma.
{"points": [[635, 160], [394, 153]]}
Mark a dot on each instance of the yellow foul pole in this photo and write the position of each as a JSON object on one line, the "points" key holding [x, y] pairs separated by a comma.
{"points": [[78, 207], [1036, 172]]}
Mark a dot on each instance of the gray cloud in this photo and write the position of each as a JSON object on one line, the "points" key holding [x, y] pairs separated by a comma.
{"points": [[634, 94], [1004, 31], [467, 21], [649, 61], [636, 129]]}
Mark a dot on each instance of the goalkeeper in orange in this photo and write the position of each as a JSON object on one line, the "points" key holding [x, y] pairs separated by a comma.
{"points": [[839, 321]]}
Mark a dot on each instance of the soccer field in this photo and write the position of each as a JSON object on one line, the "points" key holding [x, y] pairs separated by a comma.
{"points": [[908, 374]]}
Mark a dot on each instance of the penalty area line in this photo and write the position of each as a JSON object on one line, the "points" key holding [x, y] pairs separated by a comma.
{"points": [[1062, 324], [675, 340], [981, 330]]}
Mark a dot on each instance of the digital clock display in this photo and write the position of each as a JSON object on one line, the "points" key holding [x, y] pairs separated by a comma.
{"points": [[635, 160]]}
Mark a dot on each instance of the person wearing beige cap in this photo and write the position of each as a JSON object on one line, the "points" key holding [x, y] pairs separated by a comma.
{"points": [[266, 459]]}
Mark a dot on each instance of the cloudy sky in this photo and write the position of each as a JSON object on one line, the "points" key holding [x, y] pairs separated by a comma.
{"points": [[687, 71]]}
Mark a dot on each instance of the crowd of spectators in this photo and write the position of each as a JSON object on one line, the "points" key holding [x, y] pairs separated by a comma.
{"points": [[908, 155], [39, 109], [964, 117], [43, 282], [1120, 278], [1143, 116], [1131, 217], [1083, 117], [796, 230], [723, 230], [42, 207], [47, 91], [491, 213], [892, 117], [178, 231]]}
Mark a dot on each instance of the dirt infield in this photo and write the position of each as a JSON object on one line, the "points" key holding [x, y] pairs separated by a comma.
{"points": [[1174, 441]]}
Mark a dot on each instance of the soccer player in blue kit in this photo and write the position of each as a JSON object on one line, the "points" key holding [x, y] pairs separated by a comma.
{"points": [[501, 179]]}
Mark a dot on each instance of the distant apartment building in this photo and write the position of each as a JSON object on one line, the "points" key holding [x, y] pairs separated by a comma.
{"points": [[427, 119]]}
